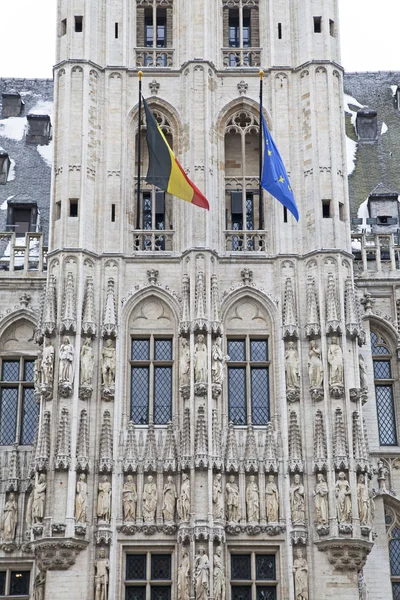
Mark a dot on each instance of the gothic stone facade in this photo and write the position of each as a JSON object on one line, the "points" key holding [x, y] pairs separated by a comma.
{"points": [[216, 392]]}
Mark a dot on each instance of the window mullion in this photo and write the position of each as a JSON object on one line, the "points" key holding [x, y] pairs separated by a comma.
{"points": [[151, 381], [241, 30], [154, 25], [248, 382], [244, 211]]}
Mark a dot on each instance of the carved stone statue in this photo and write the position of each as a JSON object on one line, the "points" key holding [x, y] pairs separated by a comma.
{"points": [[184, 363], [184, 576], [364, 501], [218, 500], [200, 360], [253, 501], [363, 372], [169, 502], [297, 502], [335, 359], [272, 500], [218, 362], [101, 577], [219, 576], [149, 501], [104, 500], [321, 501], [66, 360], [37, 374], [10, 519], [233, 511], [87, 362], [184, 499], [300, 570], [202, 575], [81, 499], [39, 499], [343, 499], [47, 363], [315, 369], [129, 499], [108, 364], [292, 366], [39, 586]]}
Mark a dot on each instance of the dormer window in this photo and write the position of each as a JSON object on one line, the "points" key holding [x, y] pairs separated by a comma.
{"points": [[12, 104], [367, 125], [22, 217], [5, 164], [39, 130]]}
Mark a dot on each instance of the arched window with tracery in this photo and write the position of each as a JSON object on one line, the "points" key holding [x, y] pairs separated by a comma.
{"points": [[393, 531], [384, 389]]}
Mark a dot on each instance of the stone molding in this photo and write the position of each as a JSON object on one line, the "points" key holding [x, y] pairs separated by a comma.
{"points": [[346, 555]]}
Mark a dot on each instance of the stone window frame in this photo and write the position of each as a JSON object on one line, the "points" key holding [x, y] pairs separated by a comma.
{"points": [[253, 582], [154, 55], [8, 569], [241, 56], [392, 522], [385, 356], [148, 583]]}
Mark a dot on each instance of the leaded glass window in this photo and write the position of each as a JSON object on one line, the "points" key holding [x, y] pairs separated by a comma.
{"points": [[253, 576], [15, 583], [384, 390], [248, 381], [394, 555], [18, 409], [151, 380], [148, 576]]}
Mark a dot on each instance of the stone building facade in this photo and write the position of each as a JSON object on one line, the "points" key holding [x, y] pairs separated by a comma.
{"points": [[215, 392]]}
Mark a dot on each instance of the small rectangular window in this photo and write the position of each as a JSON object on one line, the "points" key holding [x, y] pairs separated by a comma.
{"points": [[284, 214], [116, 32], [326, 209], [78, 24], [317, 24], [73, 207], [112, 213], [279, 31], [332, 27], [341, 211], [58, 210], [386, 415], [136, 567], [19, 583], [63, 27]]}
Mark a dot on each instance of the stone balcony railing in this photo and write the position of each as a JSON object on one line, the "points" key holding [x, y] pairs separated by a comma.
{"points": [[246, 241], [376, 253], [149, 240], [22, 254], [241, 57], [154, 57]]}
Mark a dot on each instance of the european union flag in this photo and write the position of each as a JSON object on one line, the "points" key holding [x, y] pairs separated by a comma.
{"points": [[274, 177]]}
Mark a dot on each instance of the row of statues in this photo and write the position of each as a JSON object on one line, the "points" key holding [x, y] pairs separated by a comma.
{"points": [[218, 360], [314, 365]]}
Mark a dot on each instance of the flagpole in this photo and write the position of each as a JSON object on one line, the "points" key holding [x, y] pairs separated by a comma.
{"points": [[139, 149], [260, 198]]}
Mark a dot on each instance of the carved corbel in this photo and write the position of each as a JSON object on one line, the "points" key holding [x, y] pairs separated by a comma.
{"points": [[349, 555], [58, 554]]}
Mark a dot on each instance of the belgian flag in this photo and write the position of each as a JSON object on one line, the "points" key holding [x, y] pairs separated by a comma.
{"points": [[164, 171]]}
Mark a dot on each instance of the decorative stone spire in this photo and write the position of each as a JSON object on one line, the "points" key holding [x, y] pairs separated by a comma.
{"points": [[295, 450], [200, 323], [340, 448], [62, 458], [14, 472], [150, 450], [185, 322], [217, 443], [170, 452], [231, 450], [49, 307], [270, 454], [360, 452], [313, 321], [131, 450], [82, 450], [185, 450], [106, 444], [216, 324], [351, 309], [290, 324], [109, 327], [89, 327], [250, 451], [320, 450], [201, 440], [332, 310], [68, 320], [43, 447]]}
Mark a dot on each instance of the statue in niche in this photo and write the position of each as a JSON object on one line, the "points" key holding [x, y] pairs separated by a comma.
{"points": [[169, 502], [184, 363], [37, 373], [321, 503], [47, 363], [10, 519], [200, 360], [104, 500], [184, 499], [335, 359], [343, 499], [217, 497], [272, 500], [219, 576], [108, 365], [364, 501], [81, 499], [363, 372], [315, 369], [149, 501], [129, 499], [87, 362], [232, 500], [297, 501], [218, 362], [39, 586], [292, 366], [300, 570], [66, 360], [253, 501], [28, 515], [184, 576], [101, 577], [39, 499], [202, 574]]}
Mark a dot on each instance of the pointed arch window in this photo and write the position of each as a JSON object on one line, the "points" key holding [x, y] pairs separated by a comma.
{"points": [[384, 384]]}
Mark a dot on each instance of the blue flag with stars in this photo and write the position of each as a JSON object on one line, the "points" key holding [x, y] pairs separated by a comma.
{"points": [[274, 177]]}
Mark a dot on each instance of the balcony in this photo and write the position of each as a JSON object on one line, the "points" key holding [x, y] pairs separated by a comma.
{"points": [[148, 240], [22, 254], [154, 57], [241, 57], [376, 253], [246, 241]]}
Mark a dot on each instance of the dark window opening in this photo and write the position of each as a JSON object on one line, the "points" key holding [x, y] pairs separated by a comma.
{"points": [[326, 209], [63, 26], [383, 220], [317, 24], [112, 213], [21, 218], [58, 210], [148, 27], [116, 32], [78, 24], [39, 129], [279, 31], [341, 212], [284, 214], [12, 104], [234, 28], [246, 28], [332, 27], [161, 28], [73, 207]]}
